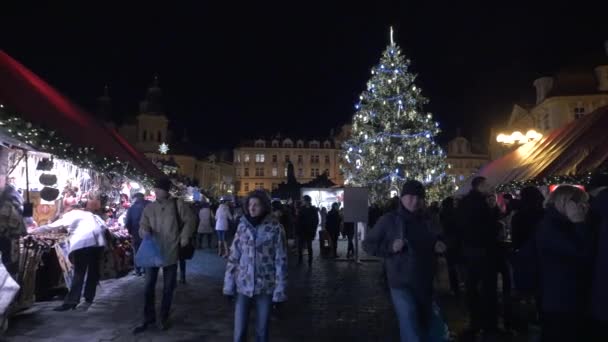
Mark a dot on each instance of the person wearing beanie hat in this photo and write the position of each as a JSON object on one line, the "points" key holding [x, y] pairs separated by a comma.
{"points": [[404, 239], [171, 224], [258, 253]]}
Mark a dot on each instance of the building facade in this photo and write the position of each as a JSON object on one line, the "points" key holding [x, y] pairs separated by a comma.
{"points": [[463, 159], [262, 164], [560, 99], [150, 133]]}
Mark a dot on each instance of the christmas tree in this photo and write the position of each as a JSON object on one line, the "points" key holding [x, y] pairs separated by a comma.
{"points": [[392, 138]]}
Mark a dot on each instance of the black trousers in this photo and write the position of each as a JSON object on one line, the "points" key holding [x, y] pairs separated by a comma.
{"points": [[481, 288], [201, 237], [86, 262], [304, 242], [169, 280], [334, 240], [452, 259]]}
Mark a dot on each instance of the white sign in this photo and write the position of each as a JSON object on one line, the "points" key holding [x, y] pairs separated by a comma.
{"points": [[356, 204]]}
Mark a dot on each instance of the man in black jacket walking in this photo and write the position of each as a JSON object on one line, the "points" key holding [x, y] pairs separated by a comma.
{"points": [[308, 221], [404, 239], [479, 222]]}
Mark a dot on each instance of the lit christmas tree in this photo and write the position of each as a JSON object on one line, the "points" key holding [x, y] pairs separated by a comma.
{"points": [[392, 137]]}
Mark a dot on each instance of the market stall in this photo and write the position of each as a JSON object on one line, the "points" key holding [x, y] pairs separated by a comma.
{"points": [[568, 155], [54, 155]]}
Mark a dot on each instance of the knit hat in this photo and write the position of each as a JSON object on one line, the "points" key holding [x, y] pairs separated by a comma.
{"points": [[412, 187], [163, 184]]}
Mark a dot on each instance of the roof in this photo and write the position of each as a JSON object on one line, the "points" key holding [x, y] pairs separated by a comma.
{"points": [[577, 148], [575, 81], [36, 101]]}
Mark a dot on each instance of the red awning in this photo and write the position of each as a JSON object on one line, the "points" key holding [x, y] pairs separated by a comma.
{"points": [[577, 148], [36, 101]]}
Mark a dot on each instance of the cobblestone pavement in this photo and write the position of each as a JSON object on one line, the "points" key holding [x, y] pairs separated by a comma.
{"points": [[333, 301]]}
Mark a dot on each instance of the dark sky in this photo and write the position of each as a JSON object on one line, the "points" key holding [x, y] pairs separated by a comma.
{"points": [[241, 70]]}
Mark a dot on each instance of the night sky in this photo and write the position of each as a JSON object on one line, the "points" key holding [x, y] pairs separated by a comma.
{"points": [[246, 70]]}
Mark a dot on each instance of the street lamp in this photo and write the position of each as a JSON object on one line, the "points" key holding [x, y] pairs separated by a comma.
{"points": [[518, 137]]}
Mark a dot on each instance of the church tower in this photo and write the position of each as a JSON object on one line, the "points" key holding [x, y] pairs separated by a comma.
{"points": [[152, 124]]}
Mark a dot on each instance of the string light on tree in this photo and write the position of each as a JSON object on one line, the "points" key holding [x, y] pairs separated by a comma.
{"points": [[397, 141]]}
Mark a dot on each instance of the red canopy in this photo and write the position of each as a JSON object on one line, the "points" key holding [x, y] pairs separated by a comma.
{"points": [[577, 148], [36, 101]]}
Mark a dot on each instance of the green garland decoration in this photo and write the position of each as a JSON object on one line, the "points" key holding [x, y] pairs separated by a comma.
{"points": [[48, 141], [514, 186]]}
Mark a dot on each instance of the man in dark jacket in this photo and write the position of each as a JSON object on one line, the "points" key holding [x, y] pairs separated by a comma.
{"points": [[404, 239], [480, 231], [308, 221], [333, 226], [132, 223], [598, 189]]}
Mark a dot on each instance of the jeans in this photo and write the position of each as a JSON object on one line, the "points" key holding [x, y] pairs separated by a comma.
{"points": [[408, 316], [169, 280], [86, 261], [304, 242], [263, 304]]}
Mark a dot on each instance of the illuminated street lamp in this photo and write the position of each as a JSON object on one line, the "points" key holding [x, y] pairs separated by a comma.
{"points": [[518, 137]]}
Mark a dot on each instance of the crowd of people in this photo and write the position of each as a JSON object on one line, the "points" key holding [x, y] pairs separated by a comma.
{"points": [[500, 250]]}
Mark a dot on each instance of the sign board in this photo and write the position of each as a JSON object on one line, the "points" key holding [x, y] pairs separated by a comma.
{"points": [[356, 206]]}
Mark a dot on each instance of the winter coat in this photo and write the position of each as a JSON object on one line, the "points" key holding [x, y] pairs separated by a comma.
{"points": [[205, 225], [258, 260], [599, 294], [524, 224], [85, 229], [159, 220], [134, 217], [564, 252], [414, 267], [480, 228], [222, 218], [308, 221], [333, 221]]}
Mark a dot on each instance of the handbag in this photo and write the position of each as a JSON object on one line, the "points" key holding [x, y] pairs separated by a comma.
{"points": [[148, 254], [185, 252], [438, 329]]}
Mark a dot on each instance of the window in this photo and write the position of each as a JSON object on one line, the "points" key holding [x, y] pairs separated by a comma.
{"points": [[579, 112], [314, 159], [145, 136], [300, 159], [260, 143], [238, 157], [246, 173], [275, 172], [246, 158], [238, 172], [286, 171], [327, 144], [159, 137], [287, 143], [274, 158], [286, 158], [300, 144], [545, 122], [259, 158], [275, 143], [246, 187], [259, 186], [259, 172], [326, 159], [314, 144], [300, 172], [314, 172]]}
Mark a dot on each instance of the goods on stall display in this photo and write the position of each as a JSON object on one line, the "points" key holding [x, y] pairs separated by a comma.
{"points": [[30, 256]]}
